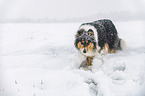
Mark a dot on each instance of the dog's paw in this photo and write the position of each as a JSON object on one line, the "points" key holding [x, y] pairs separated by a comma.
{"points": [[83, 64]]}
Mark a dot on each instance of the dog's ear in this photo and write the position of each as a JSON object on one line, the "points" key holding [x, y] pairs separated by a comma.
{"points": [[90, 32], [80, 32], [77, 40]]}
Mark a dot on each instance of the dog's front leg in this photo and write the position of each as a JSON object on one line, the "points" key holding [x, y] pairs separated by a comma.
{"points": [[106, 48], [89, 61]]}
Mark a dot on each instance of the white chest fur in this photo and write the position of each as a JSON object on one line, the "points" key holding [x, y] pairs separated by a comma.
{"points": [[89, 52]]}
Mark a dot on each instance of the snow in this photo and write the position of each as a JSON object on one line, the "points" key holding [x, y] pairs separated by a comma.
{"points": [[41, 60]]}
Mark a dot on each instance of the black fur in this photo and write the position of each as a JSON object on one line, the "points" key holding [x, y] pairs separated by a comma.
{"points": [[107, 33]]}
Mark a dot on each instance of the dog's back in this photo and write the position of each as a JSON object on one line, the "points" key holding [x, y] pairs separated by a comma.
{"points": [[107, 33], [113, 39]]}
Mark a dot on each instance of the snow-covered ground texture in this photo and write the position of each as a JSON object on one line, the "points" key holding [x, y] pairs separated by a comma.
{"points": [[41, 60]]}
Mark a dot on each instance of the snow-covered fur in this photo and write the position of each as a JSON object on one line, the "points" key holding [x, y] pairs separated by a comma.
{"points": [[104, 32]]}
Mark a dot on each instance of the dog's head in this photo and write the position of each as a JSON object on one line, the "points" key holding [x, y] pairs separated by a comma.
{"points": [[85, 41]]}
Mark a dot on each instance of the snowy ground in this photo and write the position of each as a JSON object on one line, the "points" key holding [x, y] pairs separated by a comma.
{"points": [[41, 60]]}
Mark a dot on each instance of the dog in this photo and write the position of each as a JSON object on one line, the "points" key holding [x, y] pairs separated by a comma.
{"points": [[93, 37]]}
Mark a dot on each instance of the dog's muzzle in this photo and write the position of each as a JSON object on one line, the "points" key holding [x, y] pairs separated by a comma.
{"points": [[84, 51]]}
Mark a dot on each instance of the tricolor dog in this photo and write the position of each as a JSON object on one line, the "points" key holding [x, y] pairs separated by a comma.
{"points": [[93, 37]]}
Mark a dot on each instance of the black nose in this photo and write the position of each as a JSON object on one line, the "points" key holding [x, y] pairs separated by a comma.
{"points": [[84, 51]]}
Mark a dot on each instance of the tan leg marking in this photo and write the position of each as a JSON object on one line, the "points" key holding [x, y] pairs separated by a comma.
{"points": [[113, 51], [89, 61], [106, 48]]}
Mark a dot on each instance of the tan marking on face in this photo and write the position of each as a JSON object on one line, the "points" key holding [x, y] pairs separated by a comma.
{"points": [[90, 46], [86, 41], [82, 41], [82, 46], [79, 45]]}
